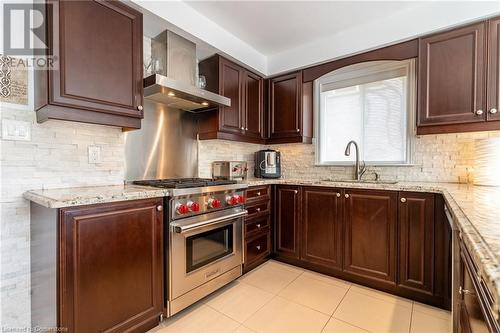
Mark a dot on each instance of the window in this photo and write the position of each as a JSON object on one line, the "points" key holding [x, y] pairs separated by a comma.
{"points": [[371, 103]]}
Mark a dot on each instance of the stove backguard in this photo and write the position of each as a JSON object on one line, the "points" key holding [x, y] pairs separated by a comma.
{"points": [[164, 147]]}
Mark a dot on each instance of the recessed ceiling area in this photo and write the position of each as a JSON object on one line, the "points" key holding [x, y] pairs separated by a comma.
{"points": [[275, 26], [278, 36]]}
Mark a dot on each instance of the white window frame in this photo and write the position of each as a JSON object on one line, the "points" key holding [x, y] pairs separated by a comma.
{"points": [[359, 70]]}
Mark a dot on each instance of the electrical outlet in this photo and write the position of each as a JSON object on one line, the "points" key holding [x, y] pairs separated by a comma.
{"points": [[94, 154], [16, 130]]}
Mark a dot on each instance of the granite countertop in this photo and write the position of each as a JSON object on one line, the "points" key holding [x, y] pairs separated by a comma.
{"points": [[473, 209], [78, 196]]}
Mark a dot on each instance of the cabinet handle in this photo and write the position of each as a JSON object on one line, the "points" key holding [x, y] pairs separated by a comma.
{"points": [[463, 291], [258, 247], [403, 200], [338, 195], [258, 225], [479, 112], [346, 196], [159, 208], [258, 193], [140, 107], [295, 191], [493, 111]]}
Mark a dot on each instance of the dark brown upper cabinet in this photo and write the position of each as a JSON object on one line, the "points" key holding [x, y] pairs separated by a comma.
{"points": [[493, 103], [289, 109], [98, 75], [458, 80], [322, 225], [243, 120], [287, 221], [370, 219]]}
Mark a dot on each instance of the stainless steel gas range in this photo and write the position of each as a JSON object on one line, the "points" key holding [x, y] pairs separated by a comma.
{"points": [[205, 237]]}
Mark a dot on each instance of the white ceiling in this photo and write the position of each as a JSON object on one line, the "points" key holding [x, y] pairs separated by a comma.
{"points": [[275, 26], [274, 36]]}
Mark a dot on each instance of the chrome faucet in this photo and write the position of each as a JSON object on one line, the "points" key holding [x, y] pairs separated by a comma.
{"points": [[359, 170]]}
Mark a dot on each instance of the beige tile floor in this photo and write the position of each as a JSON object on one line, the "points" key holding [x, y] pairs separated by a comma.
{"points": [[276, 297]]}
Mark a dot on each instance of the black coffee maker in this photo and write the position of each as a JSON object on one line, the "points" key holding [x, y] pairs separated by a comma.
{"points": [[267, 164]]}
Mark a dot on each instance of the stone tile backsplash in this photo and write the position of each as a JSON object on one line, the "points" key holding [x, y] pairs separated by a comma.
{"points": [[55, 157], [441, 158]]}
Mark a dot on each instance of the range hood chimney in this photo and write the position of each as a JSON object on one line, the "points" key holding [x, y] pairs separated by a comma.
{"points": [[175, 76]]}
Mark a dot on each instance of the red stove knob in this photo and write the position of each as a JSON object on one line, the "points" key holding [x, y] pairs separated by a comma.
{"points": [[232, 200], [241, 199], [214, 203], [193, 206], [182, 209]]}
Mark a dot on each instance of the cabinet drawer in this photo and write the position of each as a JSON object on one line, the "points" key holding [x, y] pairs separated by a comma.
{"points": [[258, 193], [257, 247], [257, 225], [258, 209]]}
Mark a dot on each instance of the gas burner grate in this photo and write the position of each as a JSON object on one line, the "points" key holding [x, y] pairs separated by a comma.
{"points": [[184, 182]]}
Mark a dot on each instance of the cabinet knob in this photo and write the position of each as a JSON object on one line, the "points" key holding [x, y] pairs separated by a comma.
{"points": [[493, 111], [295, 191], [403, 200], [159, 208], [258, 225], [258, 247], [346, 196], [338, 195], [298, 130], [140, 107], [243, 128], [258, 193], [479, 112], [257, 209], [246, 128]]}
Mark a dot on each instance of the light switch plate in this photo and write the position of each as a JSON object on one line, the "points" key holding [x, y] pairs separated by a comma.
{"points": [[16, 130], [94, 154]]}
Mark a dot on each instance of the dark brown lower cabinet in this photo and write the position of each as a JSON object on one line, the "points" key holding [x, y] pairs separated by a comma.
{"points": [[398, 242], [416, 241], [475, 304], [322, 226], [257, 227], [286, 219], [370, 234], [109, 266]]}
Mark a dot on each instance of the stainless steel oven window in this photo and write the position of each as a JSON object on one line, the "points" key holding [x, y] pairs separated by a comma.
{"points": [[209, 246]]}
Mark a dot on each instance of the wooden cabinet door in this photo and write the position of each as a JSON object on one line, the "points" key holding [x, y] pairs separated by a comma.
{"points": [[416, 241], [99, 47], [285, 105], [253, 105], [322, 226], [287, 215], [231, 86], [452, 77], [493, 86], [370, 234], [111, 267]]}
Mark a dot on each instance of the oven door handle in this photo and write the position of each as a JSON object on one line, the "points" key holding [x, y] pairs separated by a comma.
{"points": [[180, 229]]}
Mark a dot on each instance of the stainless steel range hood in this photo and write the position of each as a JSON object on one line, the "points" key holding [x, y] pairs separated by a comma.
{"points": [[174, 80]]}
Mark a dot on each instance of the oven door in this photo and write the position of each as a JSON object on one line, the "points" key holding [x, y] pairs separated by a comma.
{"points": [[202, 248]]}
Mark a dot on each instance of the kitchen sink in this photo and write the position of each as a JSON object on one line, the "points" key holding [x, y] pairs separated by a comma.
{"points": [[361, 181]]}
